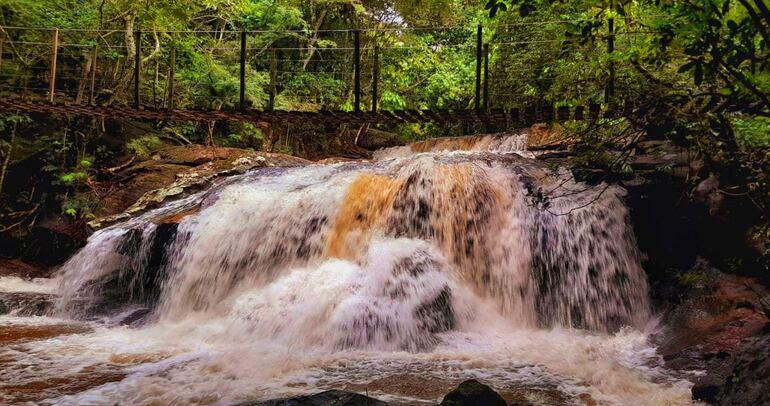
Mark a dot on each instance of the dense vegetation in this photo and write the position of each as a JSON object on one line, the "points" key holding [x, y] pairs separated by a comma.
{"points": [[700, 70]]}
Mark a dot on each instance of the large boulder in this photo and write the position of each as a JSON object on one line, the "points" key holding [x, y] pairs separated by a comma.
{"points": [[742, 379], [473, 393], [712, 314], [327, 398], [176, 171]]}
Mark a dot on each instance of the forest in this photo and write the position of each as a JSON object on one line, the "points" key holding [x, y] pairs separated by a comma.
{"points": [[682, 87]]}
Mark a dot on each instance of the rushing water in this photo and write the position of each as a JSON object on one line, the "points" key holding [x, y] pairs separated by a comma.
{"points": [[399, 277]]}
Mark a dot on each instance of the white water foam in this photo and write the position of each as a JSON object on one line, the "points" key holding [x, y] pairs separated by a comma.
{"points": [[21, 285]]}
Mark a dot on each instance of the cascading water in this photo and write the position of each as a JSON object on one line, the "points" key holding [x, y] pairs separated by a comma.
{"points": [[424, 262]]}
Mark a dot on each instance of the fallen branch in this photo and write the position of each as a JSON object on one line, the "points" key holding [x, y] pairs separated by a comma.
{"points": [[24, 216], [121, 166]]}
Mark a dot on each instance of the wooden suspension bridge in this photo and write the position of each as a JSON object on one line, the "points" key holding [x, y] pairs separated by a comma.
{"points": [[87, 101]]}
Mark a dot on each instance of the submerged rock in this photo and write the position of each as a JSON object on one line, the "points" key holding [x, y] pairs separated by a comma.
{"points": [[473, 393], [329, 397]]}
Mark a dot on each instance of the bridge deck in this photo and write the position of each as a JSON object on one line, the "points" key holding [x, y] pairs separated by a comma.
{"points": [[512, 117]]}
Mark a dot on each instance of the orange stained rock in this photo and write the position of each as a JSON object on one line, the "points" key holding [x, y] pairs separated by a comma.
{"points": [[367, 201], [14, 334], [449, 144]]}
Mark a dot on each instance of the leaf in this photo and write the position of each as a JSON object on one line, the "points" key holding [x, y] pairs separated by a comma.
{"points": [[526, 9], [692, 51], [732, 25], [698, 73], [686, 67]]}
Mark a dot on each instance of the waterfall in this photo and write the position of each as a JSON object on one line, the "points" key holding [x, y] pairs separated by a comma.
{"points": [[383, 255], [399, 277]]}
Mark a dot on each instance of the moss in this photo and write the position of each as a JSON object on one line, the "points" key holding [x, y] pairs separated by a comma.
{"points": [[144, 146]]}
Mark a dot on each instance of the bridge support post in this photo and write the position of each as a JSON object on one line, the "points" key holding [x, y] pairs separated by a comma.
{"points": [[94, 58], [487, 122], [242, 97], [54, 56], [171, 73], [357, 70], [137, 66], [477, 101], [273, 80], [375, 78], [2, 42], [486, 78], [610, 90]]}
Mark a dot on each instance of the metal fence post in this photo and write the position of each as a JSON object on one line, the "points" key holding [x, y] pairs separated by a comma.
{"points": [[375, 78], [242, 96], [93, 75], [273, 80], [486, 78], [171, 73], [610, 90], [54, 56], [137, 66], [477, 101], [357, 71]]}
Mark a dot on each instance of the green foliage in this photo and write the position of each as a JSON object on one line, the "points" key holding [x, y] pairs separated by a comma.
{"points": [[752, 132], [695, 280], [144, 146]]}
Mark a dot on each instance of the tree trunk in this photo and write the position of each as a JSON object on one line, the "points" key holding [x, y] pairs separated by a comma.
{"points": [[7, 159], [210, 133], [311, 46], [84, 77]]}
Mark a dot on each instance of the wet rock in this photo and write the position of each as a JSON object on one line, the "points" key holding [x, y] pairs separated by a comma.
{"points": [[373, 139], [336, 160], [176, 172], [25, 303], [716, 324], [194, 155], [715, 311], [546, 137], [132, 316], [22, 269], [52, 239], [473, 393], [742, 379], [327, 398], [148, 256]]}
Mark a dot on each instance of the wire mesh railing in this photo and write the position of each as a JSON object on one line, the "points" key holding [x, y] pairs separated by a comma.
{"points": [[449, 68]]}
